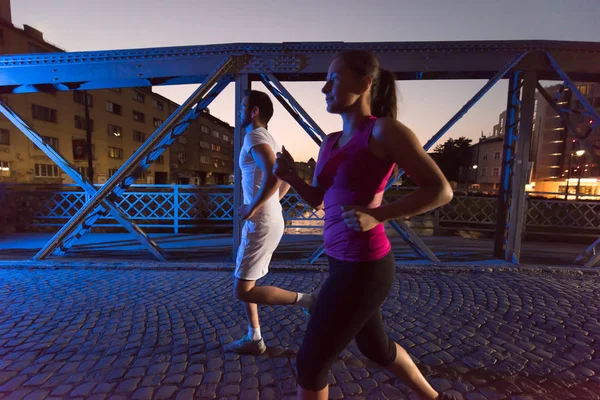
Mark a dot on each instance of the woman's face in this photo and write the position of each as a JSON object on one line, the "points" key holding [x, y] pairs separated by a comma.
{"points": [[343, 87]]}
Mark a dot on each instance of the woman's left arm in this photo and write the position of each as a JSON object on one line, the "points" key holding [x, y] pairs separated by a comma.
{"points": [[402, 146]]}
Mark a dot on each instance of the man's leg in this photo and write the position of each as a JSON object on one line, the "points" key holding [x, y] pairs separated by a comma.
{"points": [[248, 292], [252, 295], [252, 342]]}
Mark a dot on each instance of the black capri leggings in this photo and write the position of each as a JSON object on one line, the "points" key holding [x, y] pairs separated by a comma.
{"points": [[348, 307]]}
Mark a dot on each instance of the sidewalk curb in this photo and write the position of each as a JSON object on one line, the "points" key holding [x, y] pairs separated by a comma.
{"points": [[288, 267]]}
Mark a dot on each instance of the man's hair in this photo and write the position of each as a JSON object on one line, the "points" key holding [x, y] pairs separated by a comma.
{"points": [[261, 100]]}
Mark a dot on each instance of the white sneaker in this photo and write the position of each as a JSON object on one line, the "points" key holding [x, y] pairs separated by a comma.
{"points": [[247, 346]]}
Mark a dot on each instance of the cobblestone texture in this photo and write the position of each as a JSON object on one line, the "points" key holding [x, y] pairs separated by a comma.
{"points": [[159, 334]]}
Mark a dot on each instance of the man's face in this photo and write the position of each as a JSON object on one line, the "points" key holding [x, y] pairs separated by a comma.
{"points": [[245, 113]]}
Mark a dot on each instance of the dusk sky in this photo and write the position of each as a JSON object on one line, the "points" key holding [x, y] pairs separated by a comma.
{"points": [[77, 25]]}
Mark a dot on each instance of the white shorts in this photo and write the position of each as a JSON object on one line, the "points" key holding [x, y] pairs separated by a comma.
{"points": [[260, 237]]}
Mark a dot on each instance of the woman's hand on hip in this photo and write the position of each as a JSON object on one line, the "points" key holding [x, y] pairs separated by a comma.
{"points": [[360, 219]]}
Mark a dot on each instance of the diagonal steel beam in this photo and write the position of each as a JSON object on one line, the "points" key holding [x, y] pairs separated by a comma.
{"points": [[192, 115], [590, 111], [145, 155], [591, 256], [468, 105], [293, 107], [115, 211]]}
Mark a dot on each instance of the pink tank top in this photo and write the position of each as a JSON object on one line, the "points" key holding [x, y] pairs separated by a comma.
{"points": [[352, 175]]}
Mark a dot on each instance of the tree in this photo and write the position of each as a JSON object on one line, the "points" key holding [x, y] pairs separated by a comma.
{"points": [[451, 155]]}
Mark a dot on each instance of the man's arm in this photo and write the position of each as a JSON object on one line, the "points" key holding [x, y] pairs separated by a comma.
{"points": [[311, 194], [265, 160], [284, 187]]}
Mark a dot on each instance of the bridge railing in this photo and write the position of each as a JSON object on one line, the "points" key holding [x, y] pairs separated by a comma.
{"points": [[177, 208]]}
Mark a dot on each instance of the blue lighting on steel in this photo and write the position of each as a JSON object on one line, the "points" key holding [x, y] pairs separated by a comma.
{"points": [[107, 206], [141, 160]]}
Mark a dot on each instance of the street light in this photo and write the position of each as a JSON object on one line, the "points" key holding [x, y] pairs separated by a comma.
{"points": [[474, 168], [578, 153]]}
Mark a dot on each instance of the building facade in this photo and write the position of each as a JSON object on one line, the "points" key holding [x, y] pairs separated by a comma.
{"points": [[120, 120], [306, 170], [489, 162], [561, 165], [203, 154], [486, 158]]}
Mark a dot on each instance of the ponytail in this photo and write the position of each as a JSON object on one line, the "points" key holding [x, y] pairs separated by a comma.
{"points": [[384, 101]]}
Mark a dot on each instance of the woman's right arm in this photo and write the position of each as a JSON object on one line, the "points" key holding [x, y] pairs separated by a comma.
{"points": [[285, 169], [311, 194]]}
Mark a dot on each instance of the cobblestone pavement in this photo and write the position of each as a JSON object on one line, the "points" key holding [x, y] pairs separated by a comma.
{"points": [[144, 334]]}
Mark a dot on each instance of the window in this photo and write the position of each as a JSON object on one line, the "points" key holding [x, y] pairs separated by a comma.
{"points": [[485, 156], [496, 171], [113, 108], [137, 96], [80, 123], [204, 160], [160, 160], [182, 139], [497, 155], [482, 171], [182, 156], [142, 176], [157, 122], [138, 116], [113, 130], [204, 129], [4, 168], [1, 36], [50, 141], [215, 134], [116, 90], [4, 136], [139, 136], [224, 137], [215, 147], [205, 145], [115, 152], [111, 172], [158, 105], [43, 113], [83, 171], [46, 171], [78, 97]]}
